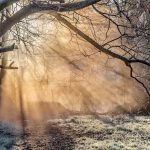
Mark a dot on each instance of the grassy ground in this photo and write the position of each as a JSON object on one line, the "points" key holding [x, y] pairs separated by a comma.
{"points": [[124, 132]]}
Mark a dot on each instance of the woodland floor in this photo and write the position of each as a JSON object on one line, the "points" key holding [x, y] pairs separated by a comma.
{"points": [[86, 132]]}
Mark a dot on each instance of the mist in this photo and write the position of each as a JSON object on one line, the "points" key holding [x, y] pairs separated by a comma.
{"points": [[65, 75]]}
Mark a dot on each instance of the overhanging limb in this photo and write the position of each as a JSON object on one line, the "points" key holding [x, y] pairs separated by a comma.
{"points": [[7, 48]]}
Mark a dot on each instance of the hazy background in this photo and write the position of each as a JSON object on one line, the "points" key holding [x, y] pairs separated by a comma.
{"points": [[64, 73]]}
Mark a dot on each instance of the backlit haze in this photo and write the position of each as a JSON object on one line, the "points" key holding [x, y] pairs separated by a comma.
{"points": [[63, 74]]}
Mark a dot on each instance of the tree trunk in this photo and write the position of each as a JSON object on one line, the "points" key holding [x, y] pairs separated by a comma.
{"points": [[3, 61]]}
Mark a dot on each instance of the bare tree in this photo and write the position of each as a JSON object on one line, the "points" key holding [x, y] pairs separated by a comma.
{"points": [[128, 19]]}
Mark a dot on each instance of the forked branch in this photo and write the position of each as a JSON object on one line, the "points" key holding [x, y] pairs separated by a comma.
{"points": [[100, 48]]}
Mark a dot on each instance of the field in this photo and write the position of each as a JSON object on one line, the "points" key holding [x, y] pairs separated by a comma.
{"points": [[85, 132]]}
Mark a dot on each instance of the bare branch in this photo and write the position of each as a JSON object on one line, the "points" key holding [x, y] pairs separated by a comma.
{"points": [[6, 3], [96, 45], [40, 6], [131, 75], [104, 50], [7, 48]]}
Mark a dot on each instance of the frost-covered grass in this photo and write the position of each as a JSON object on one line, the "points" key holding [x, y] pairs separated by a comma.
{"points": [[104, 132], [86, 132], [8, 135]]}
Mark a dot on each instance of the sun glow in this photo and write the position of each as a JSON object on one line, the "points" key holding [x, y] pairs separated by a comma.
{"points": [[60, 79]]}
